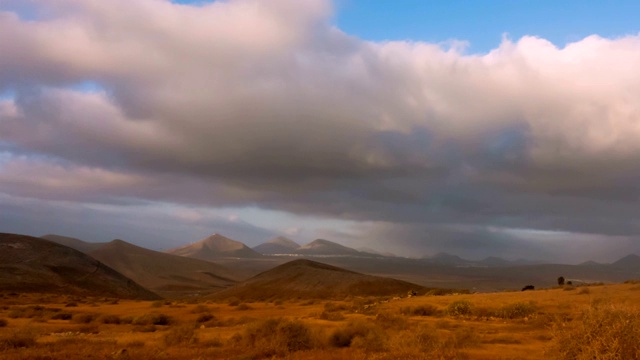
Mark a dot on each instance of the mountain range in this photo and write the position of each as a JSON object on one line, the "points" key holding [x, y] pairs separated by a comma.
{"points": [[29, 264], [214, 247], [218, 264]]}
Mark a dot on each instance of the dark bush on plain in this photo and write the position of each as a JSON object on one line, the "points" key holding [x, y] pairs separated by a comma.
{"points": [[152, 319], [277, 337]]}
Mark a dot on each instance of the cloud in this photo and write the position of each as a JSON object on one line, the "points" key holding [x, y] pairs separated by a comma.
{"points": [[253, 103]]}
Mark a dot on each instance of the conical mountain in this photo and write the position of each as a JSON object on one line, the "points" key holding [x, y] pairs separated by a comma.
{"points": [[300, 279], [327, 248], [167, 274], [73, 243], [630, 261], [29, 264], [214, 247], [279, 245]]}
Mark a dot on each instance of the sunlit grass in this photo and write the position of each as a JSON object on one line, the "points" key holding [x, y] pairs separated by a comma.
{"points": [[538, 324]]}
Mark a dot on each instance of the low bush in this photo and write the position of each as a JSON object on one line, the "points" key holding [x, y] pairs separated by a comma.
{"points": [[421, 310], [62, 316], [145, 328], [331, 315], [181, 335], [425, 342], [83, 318], [22, 338], [110, 319], [603, 331], [517, 310], [460, 308], [277, 337], [3, 322], [389, 320], [234, 302], [152, 319], [584, 290], [331, 306], [199, 309], [32, 312], [243, 307], [359, 333], [203, 318]]}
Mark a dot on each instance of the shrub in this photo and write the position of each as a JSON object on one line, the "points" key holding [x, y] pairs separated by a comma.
{"points": [[331, 306], [32, 312], [110, 319], [602, 332], [234, 302], [71, 304], [359, 333], [145, 328], [421, 310], [460, 308], [331, 315], [243, 307], [388, 320], [83, 318], [62, 316], [152, 319], [424, 342], [181, 335], [584, 291], [3, 322], [157, 303], [200, 308], [277, 337], [205, 317], [22, 338], [517, 310]]}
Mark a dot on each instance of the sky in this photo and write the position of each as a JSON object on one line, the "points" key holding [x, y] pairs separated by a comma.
{"points": [[484, 128]]}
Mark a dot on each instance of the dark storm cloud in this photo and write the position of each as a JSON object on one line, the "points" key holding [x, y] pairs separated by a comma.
{"points": [[251, 103]]}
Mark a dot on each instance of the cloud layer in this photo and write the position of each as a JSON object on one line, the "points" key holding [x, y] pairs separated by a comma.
{"points": [[254, 103]]}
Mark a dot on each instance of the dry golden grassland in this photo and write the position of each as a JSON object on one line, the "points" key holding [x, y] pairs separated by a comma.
{"points": [[594, 322]]}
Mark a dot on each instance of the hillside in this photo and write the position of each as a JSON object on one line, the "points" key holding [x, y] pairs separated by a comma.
{"points": [[327, 248], [301, 279], [215, 247], [279, 245], [166, 274], [73, 243], [29, 264]]}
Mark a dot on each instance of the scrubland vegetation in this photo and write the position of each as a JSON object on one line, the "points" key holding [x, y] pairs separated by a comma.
{"points": [[598, 322]]}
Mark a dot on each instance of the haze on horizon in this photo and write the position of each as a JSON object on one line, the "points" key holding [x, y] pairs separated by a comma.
{"points": [[161, 123]]}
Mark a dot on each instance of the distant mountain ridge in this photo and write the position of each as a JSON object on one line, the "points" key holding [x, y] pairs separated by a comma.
{"points": [[326, 247], [73, 243], [214, 247]]}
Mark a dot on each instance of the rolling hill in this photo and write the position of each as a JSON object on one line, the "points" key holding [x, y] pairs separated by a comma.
{"points": [[279, 245], [29, 264], [166, 274], [303, 278], [215, 247]]}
